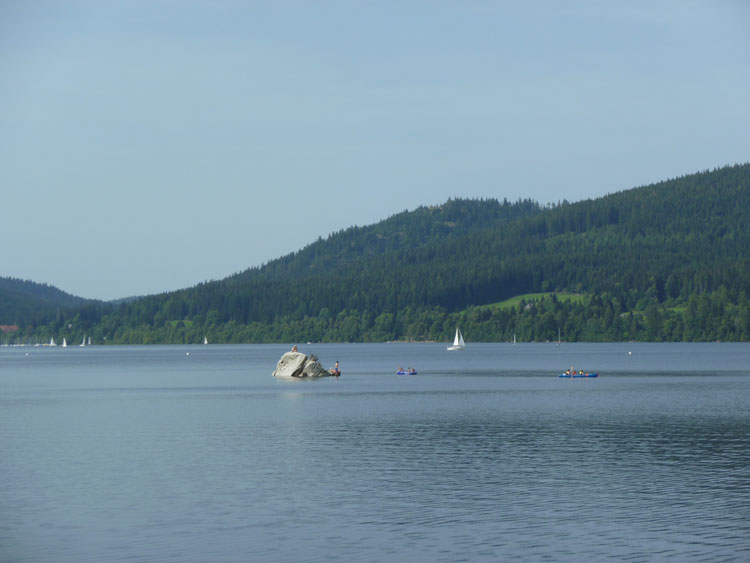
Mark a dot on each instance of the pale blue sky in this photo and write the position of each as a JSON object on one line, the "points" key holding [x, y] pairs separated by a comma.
{"points": [[149, 145]]}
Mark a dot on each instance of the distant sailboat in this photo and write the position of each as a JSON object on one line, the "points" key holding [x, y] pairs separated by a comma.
{"points": [[205, 340], [65, 343], [52, 341], [514, 338], [458, 341], [83, 342], [89, 341]]}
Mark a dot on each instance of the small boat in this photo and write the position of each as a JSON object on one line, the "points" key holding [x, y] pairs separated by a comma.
{"points": [[410, 371], [83, 342], [65, 343], [577, 375], [458, 341], [205, 340]]}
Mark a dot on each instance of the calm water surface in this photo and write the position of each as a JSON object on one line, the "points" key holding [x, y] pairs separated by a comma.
{"points": [[196, 453]]}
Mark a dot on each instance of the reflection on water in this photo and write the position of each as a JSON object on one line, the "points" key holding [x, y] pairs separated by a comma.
{"points": [[155, 456]]}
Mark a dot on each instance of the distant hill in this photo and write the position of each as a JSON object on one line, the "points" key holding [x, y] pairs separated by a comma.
{"points": [[22, 300], [668, 261]]}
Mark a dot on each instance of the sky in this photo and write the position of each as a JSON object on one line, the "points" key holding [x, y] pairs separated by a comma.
{"points": [[150, 145]]}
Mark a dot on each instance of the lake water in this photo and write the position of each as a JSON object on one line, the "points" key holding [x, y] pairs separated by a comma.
{"points": [[195, 453]]}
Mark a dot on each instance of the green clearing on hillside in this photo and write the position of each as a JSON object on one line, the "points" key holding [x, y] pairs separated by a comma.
{"points": [[528, 297]]}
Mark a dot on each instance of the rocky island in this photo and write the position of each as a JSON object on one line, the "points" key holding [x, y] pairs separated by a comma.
{"points": [[293, 365]]}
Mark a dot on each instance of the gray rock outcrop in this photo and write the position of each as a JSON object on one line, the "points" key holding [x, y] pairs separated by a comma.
{"points": [[298, 365]]}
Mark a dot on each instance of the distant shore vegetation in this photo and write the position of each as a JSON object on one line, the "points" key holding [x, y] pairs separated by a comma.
{"points": [[536, 317]]}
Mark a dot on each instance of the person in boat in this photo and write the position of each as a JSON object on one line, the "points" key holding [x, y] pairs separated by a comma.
{"points": [[567, 371]]}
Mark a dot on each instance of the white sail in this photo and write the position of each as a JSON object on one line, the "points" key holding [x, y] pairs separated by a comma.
{"points": [[83, 342], [65, 343], [205, 340], [458, 341], [52, 341]]}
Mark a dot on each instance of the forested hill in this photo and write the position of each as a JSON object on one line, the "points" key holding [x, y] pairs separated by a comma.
{"points": [[667, 261], [24, 300], [360, 246]]}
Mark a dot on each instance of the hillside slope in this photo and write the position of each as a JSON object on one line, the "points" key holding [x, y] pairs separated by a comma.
{"points": [[685, 235]]}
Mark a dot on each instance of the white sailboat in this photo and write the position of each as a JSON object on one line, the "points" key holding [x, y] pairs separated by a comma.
{"points": [[458, 341], [83, 342], [205, 340], [65, 343], [89, 341], [52, 341]]}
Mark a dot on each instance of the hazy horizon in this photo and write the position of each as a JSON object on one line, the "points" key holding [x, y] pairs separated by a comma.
{"points": [[149, 146]]}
